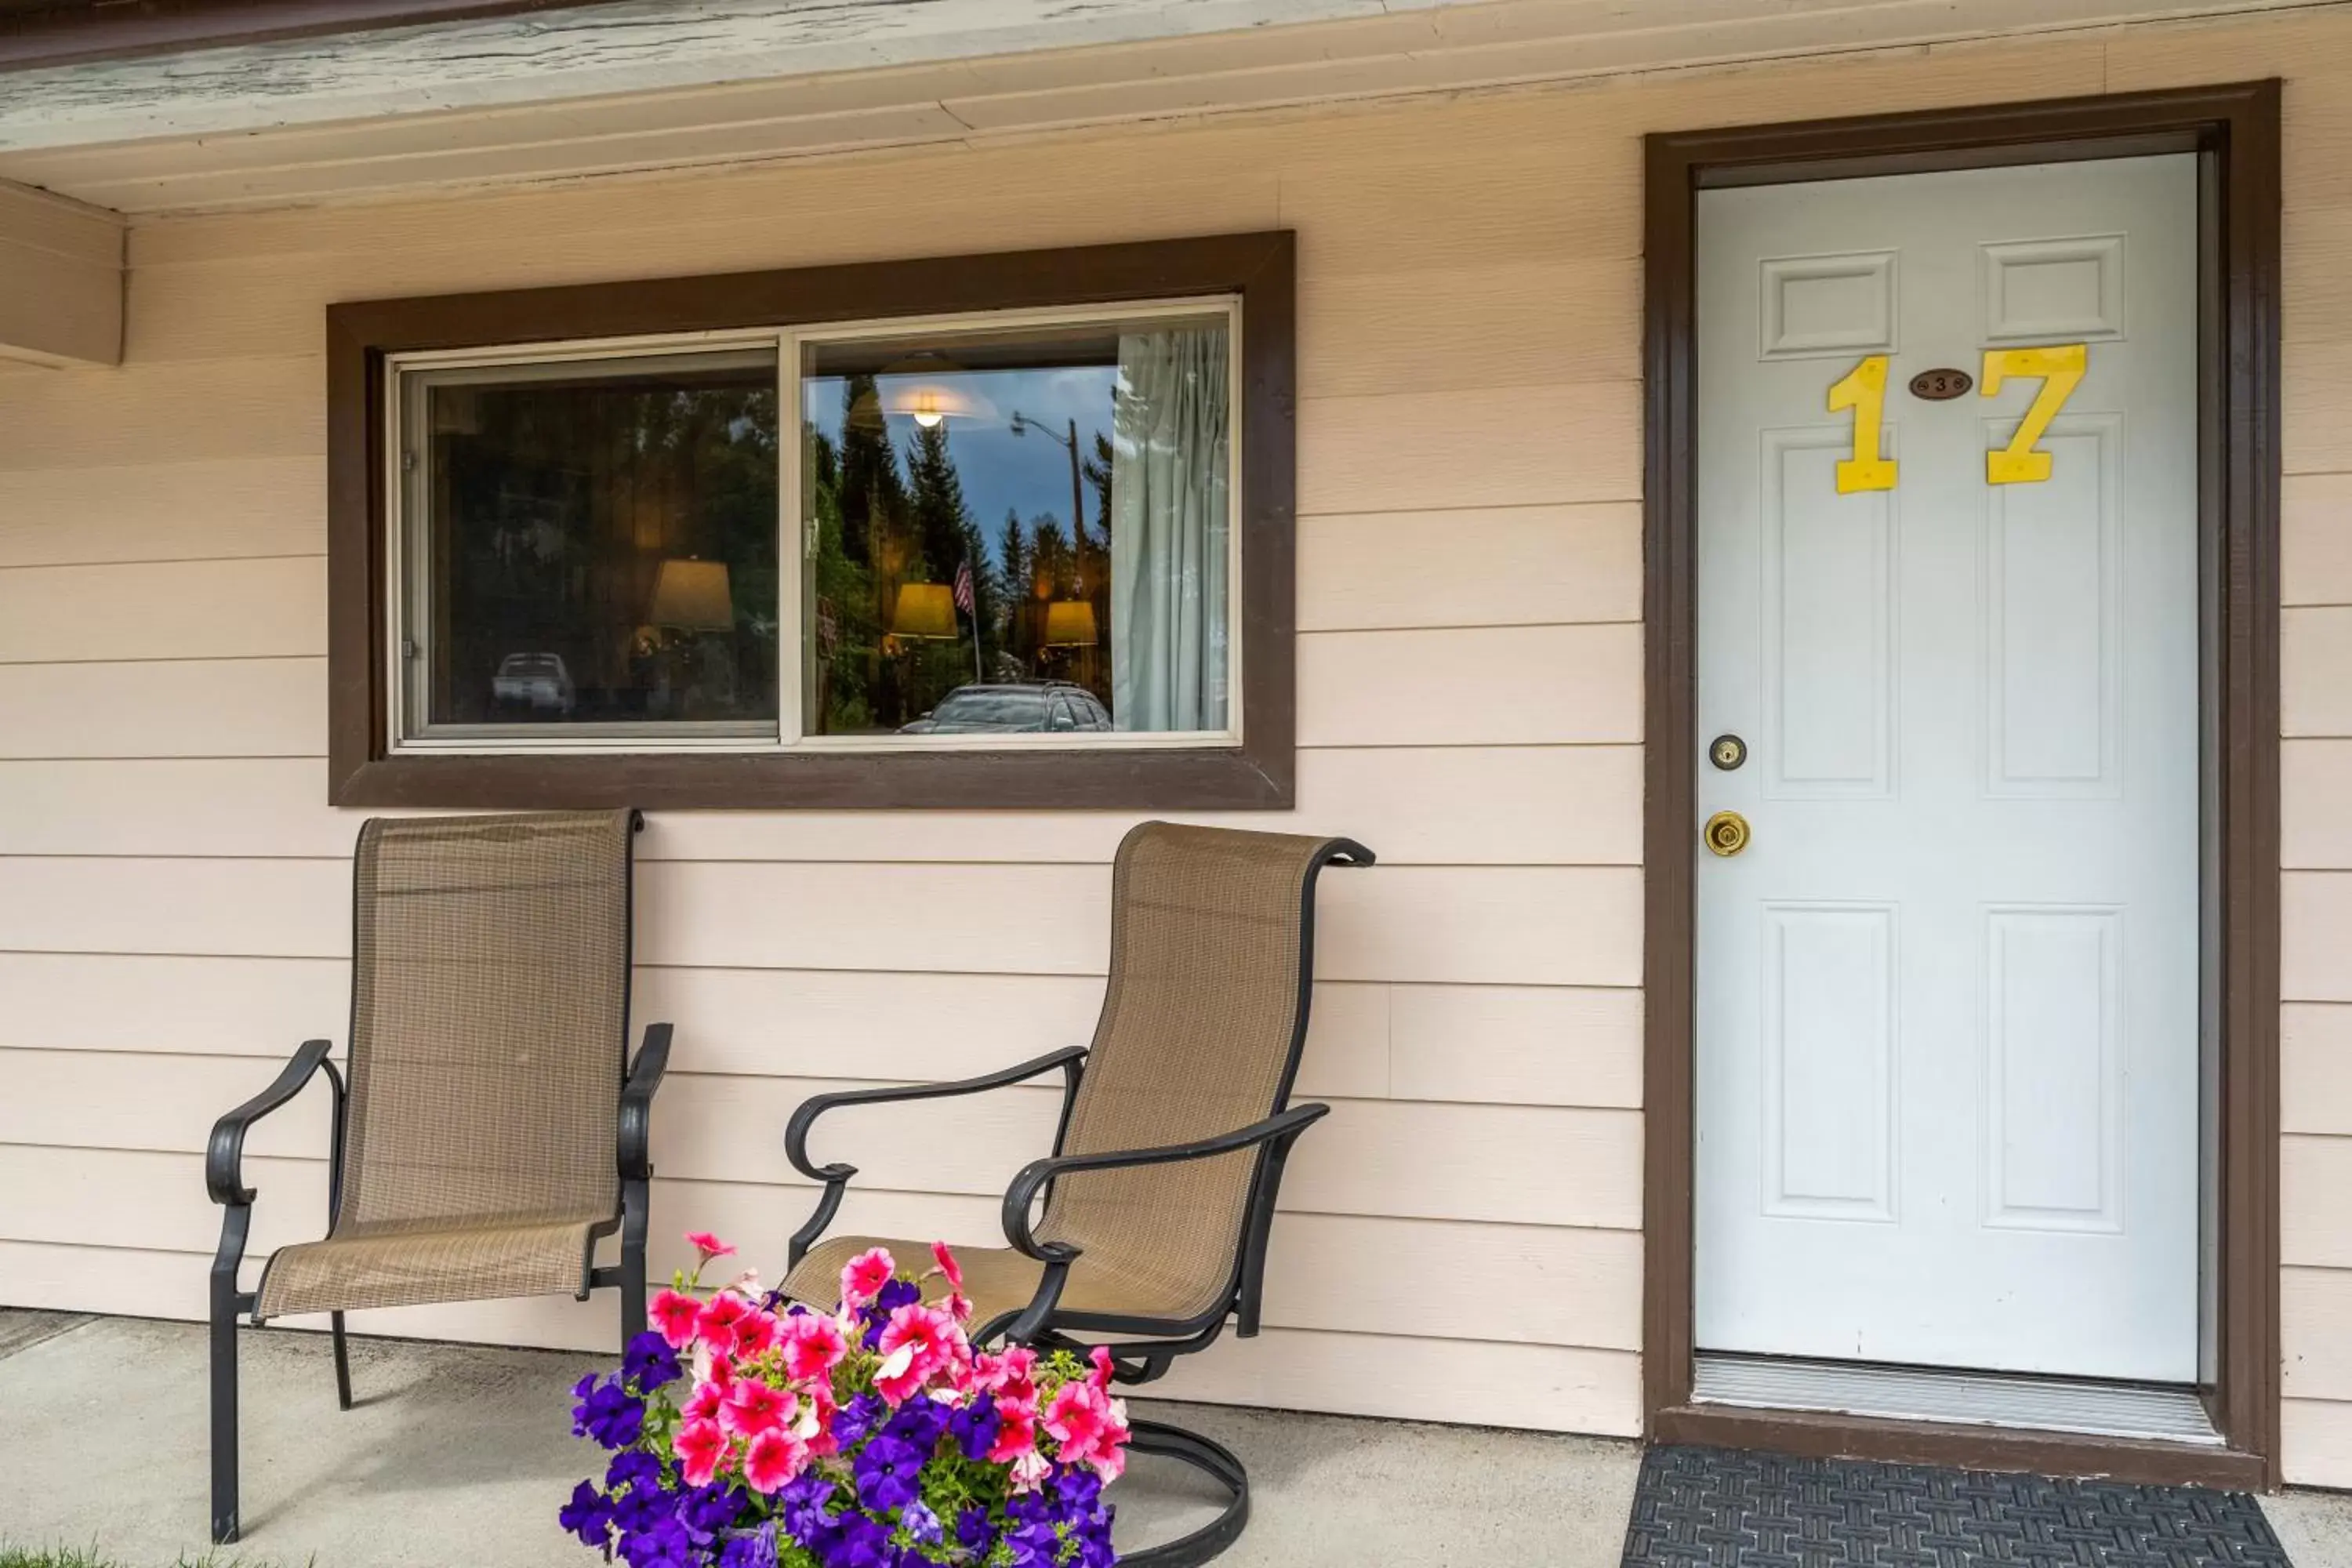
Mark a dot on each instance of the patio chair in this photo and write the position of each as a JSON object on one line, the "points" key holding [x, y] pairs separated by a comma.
{"points": [[1160, 1192], [488, 1136]]}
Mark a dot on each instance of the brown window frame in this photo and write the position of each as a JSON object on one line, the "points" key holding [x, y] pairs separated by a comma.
{"points": [[1258, 772]]}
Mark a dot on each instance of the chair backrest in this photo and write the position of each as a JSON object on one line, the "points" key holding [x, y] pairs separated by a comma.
{"points": [[489, 1016], [1211, 956]]}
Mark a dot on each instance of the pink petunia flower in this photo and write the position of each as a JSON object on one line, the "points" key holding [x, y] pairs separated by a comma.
{"points": [[709, 1245], [755, 1331], [772, 1459], [700, 1446], [1011, 1376], [1091, 1426], [716, 1326], [705, 1403], [754, 1408], [1016, 1434], [863, 1277], [674, 1314], [947, 1265], [815, 1427], [916, 1344], [1103, 1367], [814, 1345]]}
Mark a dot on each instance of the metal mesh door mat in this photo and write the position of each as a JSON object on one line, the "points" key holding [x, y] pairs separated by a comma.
{"points": [[1713, 1507]]}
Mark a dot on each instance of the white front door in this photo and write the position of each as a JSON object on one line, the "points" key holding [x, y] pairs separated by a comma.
{"points": [[1947, 993]]}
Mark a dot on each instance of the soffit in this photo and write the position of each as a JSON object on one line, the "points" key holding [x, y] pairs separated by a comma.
{"points": [[654, 84]]}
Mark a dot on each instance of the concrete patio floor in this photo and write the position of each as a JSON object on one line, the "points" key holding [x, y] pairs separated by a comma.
{"points": [[461, 1455]]}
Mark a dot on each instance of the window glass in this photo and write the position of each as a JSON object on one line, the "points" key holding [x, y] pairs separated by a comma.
{"points": [[1019, 530], [594, 544]]}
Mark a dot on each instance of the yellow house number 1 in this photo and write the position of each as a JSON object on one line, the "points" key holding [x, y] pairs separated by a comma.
{"points": [[2060, 368]]}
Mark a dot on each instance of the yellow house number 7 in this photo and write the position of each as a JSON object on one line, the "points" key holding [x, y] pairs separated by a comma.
{"points": [[2058, 368], [2061, 369]]}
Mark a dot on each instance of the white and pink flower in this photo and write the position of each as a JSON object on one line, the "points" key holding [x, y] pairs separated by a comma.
{"points": [[863, 1277]]}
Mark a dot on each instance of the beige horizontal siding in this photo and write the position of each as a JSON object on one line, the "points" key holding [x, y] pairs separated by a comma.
{"points": [[216, 510], [173, 890], [164, 708], [1565, 805], [725, 1128], [1543, 1387], [1491, 924], [1536, 1044]]}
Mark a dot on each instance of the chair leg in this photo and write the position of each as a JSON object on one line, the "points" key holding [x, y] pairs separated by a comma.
{"points": [[342, 1360], [636, 1200], [223, 1372], [1213, 1460]]}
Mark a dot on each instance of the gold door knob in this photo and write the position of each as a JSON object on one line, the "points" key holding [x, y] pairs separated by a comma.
{"points": [[1726, 833]]}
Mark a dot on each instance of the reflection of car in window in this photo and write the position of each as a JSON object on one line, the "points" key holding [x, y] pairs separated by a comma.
{"points": [[535, 681], [1012, 710]]}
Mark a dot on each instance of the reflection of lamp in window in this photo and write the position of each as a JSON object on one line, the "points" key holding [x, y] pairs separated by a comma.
{"points": [[925, 610], [916, 386], [695, 671], [691, 596], [1070, 623]]}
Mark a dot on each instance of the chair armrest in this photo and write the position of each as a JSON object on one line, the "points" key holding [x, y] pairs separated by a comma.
{"points": [[1022, 1195], [1070, 1059], [225, 1150], [636, 1127]]}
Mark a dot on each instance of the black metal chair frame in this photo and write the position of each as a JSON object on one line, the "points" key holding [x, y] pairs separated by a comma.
{"points": [[224, 1182], [1145, 1347]]}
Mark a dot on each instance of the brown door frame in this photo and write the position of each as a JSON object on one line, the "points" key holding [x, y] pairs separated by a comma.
{"points": [[2235, 130]]}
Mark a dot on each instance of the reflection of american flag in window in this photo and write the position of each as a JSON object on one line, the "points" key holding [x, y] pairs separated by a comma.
{"points": [[963, 586]]}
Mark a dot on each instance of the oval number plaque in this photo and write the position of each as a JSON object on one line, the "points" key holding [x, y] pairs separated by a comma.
{"points": [[1941, 385]]}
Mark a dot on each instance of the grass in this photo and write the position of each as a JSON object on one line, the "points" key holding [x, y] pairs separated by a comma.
{"points": [[12, 1556]]}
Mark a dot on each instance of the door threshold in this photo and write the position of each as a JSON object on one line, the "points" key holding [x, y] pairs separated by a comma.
{"points": [[2149, 1412]]}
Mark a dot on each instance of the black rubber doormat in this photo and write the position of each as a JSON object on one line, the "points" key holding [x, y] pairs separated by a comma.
{"points": [[1713, 1507]]}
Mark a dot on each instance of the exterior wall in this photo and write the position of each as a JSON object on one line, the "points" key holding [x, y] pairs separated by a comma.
{"points": [[1462, 1234]]}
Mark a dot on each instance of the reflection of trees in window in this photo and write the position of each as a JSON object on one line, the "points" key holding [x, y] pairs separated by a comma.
{"points": [[555, 506], [887, 515]]}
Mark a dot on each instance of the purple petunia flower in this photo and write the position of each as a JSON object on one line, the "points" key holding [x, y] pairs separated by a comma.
{"points": [[1034, 1545], [587, 1515], [889, 1470], [1094, 1550], [707, 1509], [802, 1507], [973, 1533], [608, 1413], [856, 1418], [750, 1549], [922, 1525], [665, 1544], [1079, 1491], [920, 1423], [859, 1543], [649, 1363], [975, 1426], [633, 1468], [645, 1506]]}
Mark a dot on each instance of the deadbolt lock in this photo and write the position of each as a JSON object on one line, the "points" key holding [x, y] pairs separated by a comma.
{"points": [[1726, 833], [1727, 752]]}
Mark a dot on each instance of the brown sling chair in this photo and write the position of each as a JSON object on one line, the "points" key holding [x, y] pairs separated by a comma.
{"points": [[1160, 1192], [489, 1135]]}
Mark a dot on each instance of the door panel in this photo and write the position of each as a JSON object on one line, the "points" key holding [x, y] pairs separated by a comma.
{"points": [[1948, 1008]]}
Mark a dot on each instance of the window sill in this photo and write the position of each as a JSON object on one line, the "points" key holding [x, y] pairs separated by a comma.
{"points": [[1223, 778]]}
